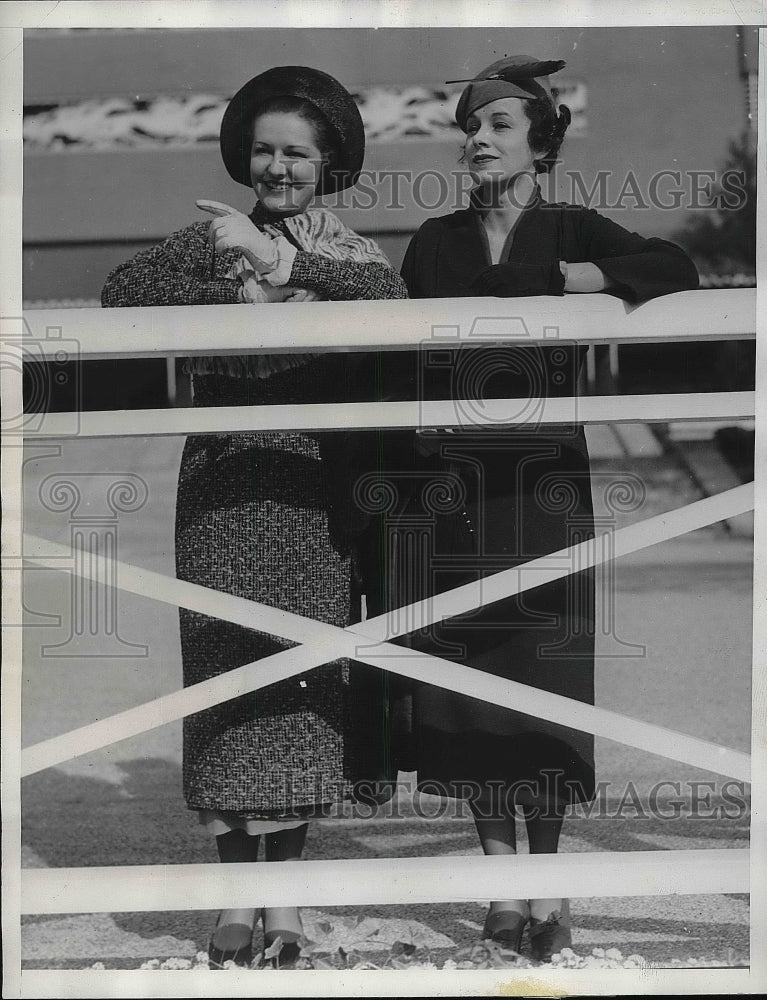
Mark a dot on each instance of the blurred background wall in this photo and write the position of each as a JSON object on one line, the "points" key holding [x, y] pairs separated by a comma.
{"points": [[121, 138]]}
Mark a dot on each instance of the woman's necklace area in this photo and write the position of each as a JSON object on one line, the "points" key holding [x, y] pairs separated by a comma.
{"points": [[498, 230], [497, 238], [499, 223]]}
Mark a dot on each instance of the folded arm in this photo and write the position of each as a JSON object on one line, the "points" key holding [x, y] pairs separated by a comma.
{"points": [[182, 270]]}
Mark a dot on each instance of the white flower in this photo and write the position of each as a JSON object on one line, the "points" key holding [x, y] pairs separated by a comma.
{"points": [[98, 965], [614, 954], [176, 963]]}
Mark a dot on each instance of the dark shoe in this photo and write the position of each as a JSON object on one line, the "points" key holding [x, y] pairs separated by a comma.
{"points": [[283, 957], [505, 927], [281, 947], [231, 943], [549, 936]]}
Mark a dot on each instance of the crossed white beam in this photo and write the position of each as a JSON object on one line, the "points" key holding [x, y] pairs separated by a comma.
{"points": [[322, 643]]}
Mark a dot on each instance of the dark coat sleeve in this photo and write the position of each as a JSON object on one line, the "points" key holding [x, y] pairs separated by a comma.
{"points": [[420, 265], [378, 455], [183, 270], [396, 371], [641, 268], [409, 271], [516, 279]]}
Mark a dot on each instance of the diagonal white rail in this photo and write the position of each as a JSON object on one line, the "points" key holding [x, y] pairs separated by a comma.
{"points": [[324, 643], [469, 413], [138, 888]]}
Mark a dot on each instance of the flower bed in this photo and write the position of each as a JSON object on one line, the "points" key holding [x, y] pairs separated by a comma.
{"points": [[481, 956], [347, 944]]}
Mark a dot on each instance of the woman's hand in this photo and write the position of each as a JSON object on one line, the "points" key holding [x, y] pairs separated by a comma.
{"points": [[233, 230], [584, 278], [261, 291], [301, 295]]}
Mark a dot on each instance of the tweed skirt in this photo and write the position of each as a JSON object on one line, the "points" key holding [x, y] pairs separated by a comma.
{"points": [[252, 520]]}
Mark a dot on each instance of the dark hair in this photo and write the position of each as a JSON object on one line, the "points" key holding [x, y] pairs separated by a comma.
{"points": [[546, 132], [325, 134]]}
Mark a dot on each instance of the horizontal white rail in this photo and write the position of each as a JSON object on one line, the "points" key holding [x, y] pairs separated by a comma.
{"points": [[531, 413], [159, 331], [326, 642], [142, 888]]}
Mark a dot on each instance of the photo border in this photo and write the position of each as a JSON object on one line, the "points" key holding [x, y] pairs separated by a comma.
{"points": [[414, 13]]}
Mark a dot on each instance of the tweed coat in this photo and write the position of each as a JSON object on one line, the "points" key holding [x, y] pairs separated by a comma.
{"points": [[268, 517]]}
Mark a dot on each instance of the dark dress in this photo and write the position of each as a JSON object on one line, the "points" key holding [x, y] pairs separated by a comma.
{"points": [[509, 495], [269, 517]]}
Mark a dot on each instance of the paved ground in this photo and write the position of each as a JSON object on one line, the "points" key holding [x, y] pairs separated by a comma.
{"points": [[687, 603]]}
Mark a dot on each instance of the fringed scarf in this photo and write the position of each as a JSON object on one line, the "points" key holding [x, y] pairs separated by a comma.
{"points": [[316, 231]]}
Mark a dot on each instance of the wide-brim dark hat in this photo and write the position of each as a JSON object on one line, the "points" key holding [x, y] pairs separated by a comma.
{"points": [[331, 99], [513, 76]]}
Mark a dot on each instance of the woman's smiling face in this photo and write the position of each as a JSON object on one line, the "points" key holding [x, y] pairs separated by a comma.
{"points": [[496, 149], [285, 162]]}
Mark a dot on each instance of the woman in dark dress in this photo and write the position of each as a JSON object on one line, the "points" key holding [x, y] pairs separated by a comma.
{"points": [[517, 491], [269, 516]]}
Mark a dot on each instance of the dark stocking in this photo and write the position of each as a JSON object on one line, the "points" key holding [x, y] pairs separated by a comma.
{"points": [[544, 826], [284, 921], [235, 927]]}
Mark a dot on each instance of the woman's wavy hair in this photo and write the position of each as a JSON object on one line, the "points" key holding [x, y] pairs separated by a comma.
{"points": [[547, 131]]}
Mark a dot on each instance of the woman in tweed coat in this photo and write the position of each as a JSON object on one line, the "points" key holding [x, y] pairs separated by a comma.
{"points": [[268, 516]]}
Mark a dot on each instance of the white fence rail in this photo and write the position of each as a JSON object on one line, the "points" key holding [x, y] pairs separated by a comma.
{"points": [[723, 314], [416, 413], [358, 882]]}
